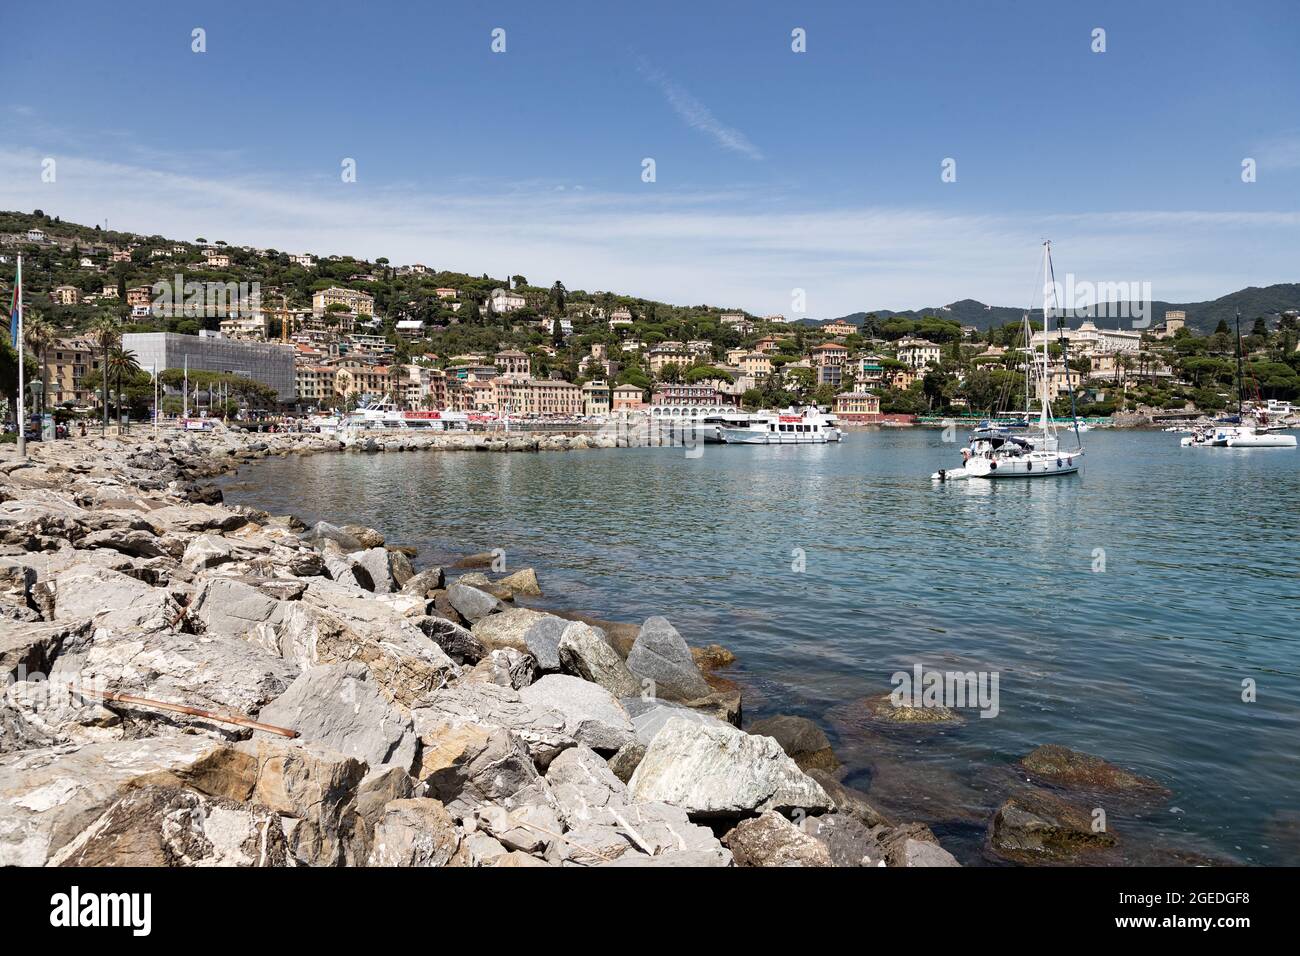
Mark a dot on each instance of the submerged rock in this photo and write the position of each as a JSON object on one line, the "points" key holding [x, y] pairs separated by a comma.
{"points": [[1036, 827], [801, 739], [1073, 770]]}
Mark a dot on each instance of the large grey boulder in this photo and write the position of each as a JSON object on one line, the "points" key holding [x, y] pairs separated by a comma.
{"points": [[48, 797], [584, 787], [506, 629], [471, 603], [226, 607], [207, 551], [722, 772], [592, 715], [583, 653], [507, 667], [650, 715], [113, 600], [457, 642], [541, 729], [661, 655], [468, 766], [542, 639], [341, 707], [379, 567], [416, 832], [173, 826], [323, 531], [208, 673], [424, 583], [403, 660], [137, 543]]}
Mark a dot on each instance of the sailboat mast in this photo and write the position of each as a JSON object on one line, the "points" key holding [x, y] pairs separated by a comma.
{"points": [[1239, 381], [1049, 284]]}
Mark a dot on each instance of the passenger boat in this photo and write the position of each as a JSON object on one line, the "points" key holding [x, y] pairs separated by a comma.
{"points": [[384, 415], [791, 426]]}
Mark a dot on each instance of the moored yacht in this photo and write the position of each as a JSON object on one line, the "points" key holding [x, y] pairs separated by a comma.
{"points": [[383, 415]]}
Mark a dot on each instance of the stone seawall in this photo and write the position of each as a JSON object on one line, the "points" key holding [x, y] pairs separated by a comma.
{"points": [[188, 683]]}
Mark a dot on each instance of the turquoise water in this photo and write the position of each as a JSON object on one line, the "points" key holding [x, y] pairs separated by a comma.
{"points": [[1141, 663]]}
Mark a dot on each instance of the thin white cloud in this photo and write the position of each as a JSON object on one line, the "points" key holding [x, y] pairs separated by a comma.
{"points": [[1281, 152], [698, 116], [723, 247]]}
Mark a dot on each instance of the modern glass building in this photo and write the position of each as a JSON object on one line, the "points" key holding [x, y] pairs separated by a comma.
{"points": [[268, 364]]}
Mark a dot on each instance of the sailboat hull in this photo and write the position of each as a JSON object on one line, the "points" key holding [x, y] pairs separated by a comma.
{"points": [[1027, 466]]}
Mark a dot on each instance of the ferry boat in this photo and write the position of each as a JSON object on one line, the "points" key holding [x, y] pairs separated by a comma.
{"points": [[790, 426], [384, 415]]}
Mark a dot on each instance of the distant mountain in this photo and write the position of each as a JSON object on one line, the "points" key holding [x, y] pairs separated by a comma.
{"points": [[1202, 317]]}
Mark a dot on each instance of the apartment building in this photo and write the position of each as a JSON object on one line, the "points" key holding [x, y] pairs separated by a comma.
{"points": [[357, 302]]}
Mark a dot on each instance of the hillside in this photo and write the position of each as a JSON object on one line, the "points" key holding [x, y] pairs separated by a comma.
{"points": [[1202, 317]]}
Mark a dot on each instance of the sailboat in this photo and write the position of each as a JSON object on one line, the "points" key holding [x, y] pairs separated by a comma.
{"points": [[1037, 454], [1237, 432]]}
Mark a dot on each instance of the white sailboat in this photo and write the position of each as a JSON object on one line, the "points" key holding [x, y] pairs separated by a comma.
{"points": [[1243, 433], [1039, 453]]}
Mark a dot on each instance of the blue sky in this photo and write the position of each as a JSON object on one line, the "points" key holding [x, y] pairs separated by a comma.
{"points": [[774, 170]]}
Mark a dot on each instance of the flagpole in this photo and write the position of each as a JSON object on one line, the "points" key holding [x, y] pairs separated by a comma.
{"points": [[18, 346]]}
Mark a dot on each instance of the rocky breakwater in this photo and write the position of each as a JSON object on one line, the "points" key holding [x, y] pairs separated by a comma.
{"points": [[187, 683]]}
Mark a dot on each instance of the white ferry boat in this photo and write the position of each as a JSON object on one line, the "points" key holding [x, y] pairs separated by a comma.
{"points": [[384, 415], [791, 426]]}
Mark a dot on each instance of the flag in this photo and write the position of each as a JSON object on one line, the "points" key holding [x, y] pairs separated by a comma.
{"points": [[13, 311]]}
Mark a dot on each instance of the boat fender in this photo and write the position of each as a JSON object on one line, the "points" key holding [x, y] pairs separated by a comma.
{"points": [[1069, 461], [1058, 463], [943, 474], [1029, 466], [993, 466]]}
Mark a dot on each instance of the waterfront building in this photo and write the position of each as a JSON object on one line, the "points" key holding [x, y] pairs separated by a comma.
{"points": [[595, 398], [553, 397], [668, 393], [354, 380], [357, 302], [902, 378], [71, 369], [315, 385], [857, 406], [867, 369], [628, 398], [918, 353], [271, 365]]}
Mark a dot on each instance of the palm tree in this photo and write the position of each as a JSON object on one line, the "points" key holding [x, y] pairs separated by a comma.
{"points": [[39, 335], [122, 362], [106, 332]]}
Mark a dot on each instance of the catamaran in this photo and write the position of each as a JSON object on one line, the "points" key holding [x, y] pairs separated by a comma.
{"points": [[1239, 432], [994, 453]]}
